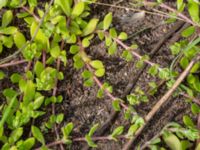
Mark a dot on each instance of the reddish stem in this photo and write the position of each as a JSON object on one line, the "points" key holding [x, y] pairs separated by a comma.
{"points": [[32, 13], [133, 52], [178, 13], [82, 139], [192, 98], [113, 98], [44, 58], [13, 63]]}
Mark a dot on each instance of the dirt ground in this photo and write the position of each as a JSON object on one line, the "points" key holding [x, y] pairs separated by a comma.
{"points": [[80, 104]]}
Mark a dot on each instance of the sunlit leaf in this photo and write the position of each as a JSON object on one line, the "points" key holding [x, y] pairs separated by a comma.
{"points": [[7, 18], [37, 134], [107, 21]]}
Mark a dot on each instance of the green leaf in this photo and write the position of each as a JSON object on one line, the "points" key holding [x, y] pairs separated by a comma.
{"points": [[59, 118], [164, 73], [188, 31], [15, 78], [40, 36], [195, 109], [78, 64], [118, 131], [29, 143], [188, 122], [65, 5], [101, 35], [108, 41], [7, 18], [85, 42], [91, 26], [139, 64], [193, 8], [100, 72], [112, 49], [86, 74], [93, 129], [90, 142], [19, 40], [74, 49], [113, 33], [172, 141], [38, 102], [195, 67], [132, 130], [97, 64], [8, 30], [175, 48], [15, 135], [7, 41], [38, 68], [191, 79], [55, 51], [185, 144], [133, 99], [32, 3], [179, 4], [107, 21], [7, 113], [72, 39], [184, 62], [3, 3], [9, 93], [29, 92], [153, 70], [67, 129], [122, 36], [89, 82], [100, 93], [2, 75], [78, 9], [38, 134], [156, 141], [127, 55], [116, 105]]}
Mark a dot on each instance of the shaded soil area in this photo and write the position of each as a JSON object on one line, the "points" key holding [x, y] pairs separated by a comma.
{"points": [[80, 104]]}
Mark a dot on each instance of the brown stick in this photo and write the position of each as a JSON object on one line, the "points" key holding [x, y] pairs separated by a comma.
{"points": [[162, 101]]}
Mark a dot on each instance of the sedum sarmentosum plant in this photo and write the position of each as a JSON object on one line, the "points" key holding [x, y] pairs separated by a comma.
{"points": [[56, 32], [58, 24]]}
